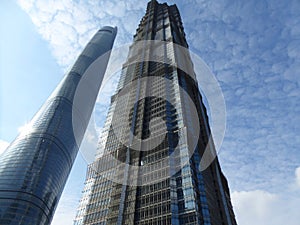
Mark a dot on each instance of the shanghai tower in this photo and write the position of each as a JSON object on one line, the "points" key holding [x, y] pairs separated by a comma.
{"points": [[36, 165], [147, 168]]}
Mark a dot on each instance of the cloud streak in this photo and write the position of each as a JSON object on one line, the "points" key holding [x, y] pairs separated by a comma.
{"points": [[3, 146], [297, 173], [265, 208]]}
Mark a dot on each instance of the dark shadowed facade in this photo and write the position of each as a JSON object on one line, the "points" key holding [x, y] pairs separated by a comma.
{"points": [[137, 179]]}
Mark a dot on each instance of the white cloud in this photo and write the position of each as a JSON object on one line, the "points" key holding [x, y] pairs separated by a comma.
{"points": [[69, 201], [252, 204], [65, 213], [264, 208], [3, 146], [68, 25], [26, 128], [297, 173], [88, 147]]}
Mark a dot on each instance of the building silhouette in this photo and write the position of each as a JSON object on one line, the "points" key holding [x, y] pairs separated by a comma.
{"points": [[36, 165], [147, 170]]}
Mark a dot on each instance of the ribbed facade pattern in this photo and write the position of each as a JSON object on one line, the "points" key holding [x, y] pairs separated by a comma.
{"points": [[35, 167]]}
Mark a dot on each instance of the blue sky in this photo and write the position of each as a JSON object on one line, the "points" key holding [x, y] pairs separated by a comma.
{"points": [[252, 47]]}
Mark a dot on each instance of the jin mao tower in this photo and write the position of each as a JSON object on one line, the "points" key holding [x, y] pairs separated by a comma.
{"points": [[148, 168]]}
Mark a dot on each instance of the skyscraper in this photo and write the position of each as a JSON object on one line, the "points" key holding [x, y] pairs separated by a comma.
{"points": [[36, 165], [148, 166]]}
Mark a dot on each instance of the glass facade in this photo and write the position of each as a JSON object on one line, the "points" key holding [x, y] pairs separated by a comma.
{"points": [[35, 167], [159, 181]]}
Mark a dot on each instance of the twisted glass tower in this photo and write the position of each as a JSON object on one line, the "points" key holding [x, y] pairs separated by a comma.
{"points": [[147, 170], [36, 165]]}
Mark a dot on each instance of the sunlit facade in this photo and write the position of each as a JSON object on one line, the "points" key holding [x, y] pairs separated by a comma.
{"points": [[142, 182]]}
